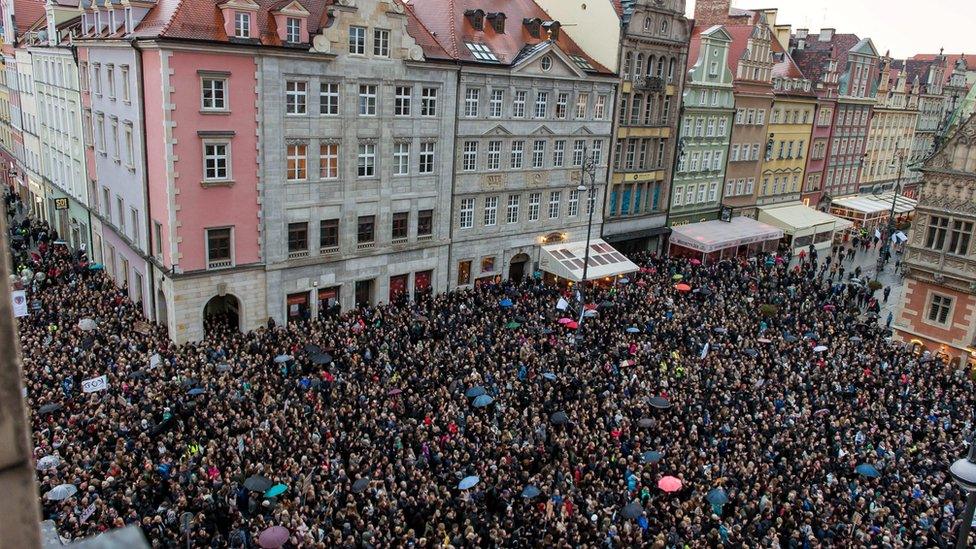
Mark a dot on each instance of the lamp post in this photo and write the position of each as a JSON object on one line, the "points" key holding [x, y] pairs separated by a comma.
{"points": [[896, 190], [588, 168], [963, 471]]}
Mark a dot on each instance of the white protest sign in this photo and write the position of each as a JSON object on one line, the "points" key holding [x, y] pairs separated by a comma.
{"points": [[87, 513], [94, 384], [19, 300]]}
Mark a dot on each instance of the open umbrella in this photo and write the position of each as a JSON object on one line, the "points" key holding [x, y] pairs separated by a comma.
{"points": [[695, 261], [682, 287], [475, 391], [519, 318], [312, 349], [505, 303], [49, 408], [677, 277], [394, 391], [48, 462], [652, 456], [481, 401], [320, 358], [559, 418], [138, 374], [632, 510], [624, 281], [224, 367], [530, 492], [196, 391], [659, 402], [61, 492], [633, 330], [703, 291], [96, 267], [750, 351], [550, 376], [789, 338], [572, 325], [87, 324], [273, 537], [717, 496], [468, 482], [87, 343], [856, 339], [513, 325], [590, 313], [281, 359], [275, 490], [564, 320], [258, 483], [868, 470], [763, 340], [810, 335], [820, 348], [669, 484], [720, 330], [360, 485], [604, 305], [645, 422]]}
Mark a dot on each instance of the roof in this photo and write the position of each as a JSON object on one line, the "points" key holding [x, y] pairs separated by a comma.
{"points": [[918, 69], [566, 260], [27, 12], [813, 64], [798, 218], [740, 41], [785, 66], [452, 31], [710, 236], [694, 44], [840, 44], [870, 204], [970, 58]]}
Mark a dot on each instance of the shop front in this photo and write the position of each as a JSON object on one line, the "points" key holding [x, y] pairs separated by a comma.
{"points": [[711, 241]]}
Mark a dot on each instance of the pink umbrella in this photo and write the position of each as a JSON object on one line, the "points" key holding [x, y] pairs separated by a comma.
{"points": [[273, 537], [669, 484], [572, 324], [695, 262], [564, 320]]}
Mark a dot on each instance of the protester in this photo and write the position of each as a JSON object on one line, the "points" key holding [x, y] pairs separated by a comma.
{"points": [[757, 409]]}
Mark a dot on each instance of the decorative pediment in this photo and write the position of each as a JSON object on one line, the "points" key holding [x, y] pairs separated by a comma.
{"points": [[294, 9], [371, 14], [542, 130], [249, 5], [583, 130], [498, 130], [548, 59]]}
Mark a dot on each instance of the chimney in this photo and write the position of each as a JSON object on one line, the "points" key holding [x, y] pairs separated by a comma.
{"points": [[826, 35], [801, 34], [712, 12], [801, 44]]}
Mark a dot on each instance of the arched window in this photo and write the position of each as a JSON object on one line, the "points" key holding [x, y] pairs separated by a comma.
{"points": [[648, 21], [660, 67], [671, 70], [627, 59], [664, 26], [639, 66], [650, 65]]}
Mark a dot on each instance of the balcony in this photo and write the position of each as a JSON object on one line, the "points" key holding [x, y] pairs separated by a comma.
{"points": [[297, 254], [424, 237]]}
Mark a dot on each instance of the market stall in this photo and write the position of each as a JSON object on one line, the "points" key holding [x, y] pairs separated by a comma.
{"points": [[868, 211], [803, 225], [710, 241], [563, 262]]}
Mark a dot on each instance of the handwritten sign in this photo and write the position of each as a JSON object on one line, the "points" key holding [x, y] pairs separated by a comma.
{"points": [[19, 300], [94, 384], [87, 513]]}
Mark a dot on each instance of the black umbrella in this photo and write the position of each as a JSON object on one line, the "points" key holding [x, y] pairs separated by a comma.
{"points": [[520, 319], [645, 422], [559, 418], [321, 358], [659, 402], [49, 408], [605, 305], [360, 485], [189, 382], [313, 349], [138, 374], [632, 510], [223, 367], [87, 343], [750, 351], [258, 483]]}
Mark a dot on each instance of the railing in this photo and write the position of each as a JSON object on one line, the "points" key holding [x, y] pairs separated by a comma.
{"points": [[297, 254], [329, 250], [400, 240], [221, 264], [365, 245], [424, 237]]}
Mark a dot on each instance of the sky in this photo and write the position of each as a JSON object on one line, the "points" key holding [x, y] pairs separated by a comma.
{"points": [[905, 27]]}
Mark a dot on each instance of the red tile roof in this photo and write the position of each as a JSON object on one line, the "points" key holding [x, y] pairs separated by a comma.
{"points": [[970, 58], [27, 12], [840, 44]]}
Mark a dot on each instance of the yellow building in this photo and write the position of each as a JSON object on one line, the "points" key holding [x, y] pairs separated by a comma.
{"points": [[788, 132]]}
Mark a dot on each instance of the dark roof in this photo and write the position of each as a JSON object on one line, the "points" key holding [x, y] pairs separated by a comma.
{"points": [[840, 44], [813, 64]]}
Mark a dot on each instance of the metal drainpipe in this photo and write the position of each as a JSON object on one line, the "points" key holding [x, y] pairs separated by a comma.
{"points": [[450, 208]]}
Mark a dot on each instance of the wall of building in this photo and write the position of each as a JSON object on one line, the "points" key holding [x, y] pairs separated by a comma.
{"points": [[578, 21], [789, 129]]}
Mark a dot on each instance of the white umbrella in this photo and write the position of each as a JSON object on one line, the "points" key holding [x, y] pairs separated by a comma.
{"points": [[820, 348], [86, 324], [48, 462], [61, 492]]}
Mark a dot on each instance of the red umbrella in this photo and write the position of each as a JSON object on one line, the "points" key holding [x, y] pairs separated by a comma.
{"points": [[669, 484], [572, 324], [273, 537], [590, 306], [682, 287], [564, 320]]}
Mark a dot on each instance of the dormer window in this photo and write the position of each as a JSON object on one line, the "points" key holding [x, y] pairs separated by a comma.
{"points": [[533, 26], [128, 20], [552, 29], [242, 24], [293, 30], [476, 18], [497, 21]]}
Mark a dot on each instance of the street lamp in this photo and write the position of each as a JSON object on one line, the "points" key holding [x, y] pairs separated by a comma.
{"points": [[587, 168], [963, 471], [896, 190]]}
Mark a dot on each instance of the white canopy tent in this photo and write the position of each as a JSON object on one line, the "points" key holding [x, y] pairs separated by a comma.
{"points": [[565, 260], [867, 210], [805, 225], [712, 236]]}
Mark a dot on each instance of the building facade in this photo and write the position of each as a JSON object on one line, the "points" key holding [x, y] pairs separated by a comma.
{"points": [[929, 77], [708, 107], [357, 163], [939, 307], [892, 131]]}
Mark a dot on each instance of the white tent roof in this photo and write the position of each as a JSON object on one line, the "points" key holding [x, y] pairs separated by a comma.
{"points": [[869, 204], [566, 260], [795, 218], [709, 236]]}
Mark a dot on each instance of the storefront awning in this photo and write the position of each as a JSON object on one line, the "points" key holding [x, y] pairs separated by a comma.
{"points": [[798, 219], [710, 236], [868, 204], [565, 260]]}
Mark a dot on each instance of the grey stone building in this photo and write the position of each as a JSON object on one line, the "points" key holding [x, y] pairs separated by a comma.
{"points": [[531, 104], [357, 144]]}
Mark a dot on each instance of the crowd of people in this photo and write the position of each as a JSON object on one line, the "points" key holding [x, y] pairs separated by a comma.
{"points": [[769, 390]]}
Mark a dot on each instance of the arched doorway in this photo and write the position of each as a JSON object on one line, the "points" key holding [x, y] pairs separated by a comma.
{"points": [[516, 268], [222, 312], [162, 311]]}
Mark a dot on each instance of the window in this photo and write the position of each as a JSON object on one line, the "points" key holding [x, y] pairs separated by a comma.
{"points": [[401, 222], [464, 273], [329, 234], [357, 40], [572, 206], [600, 109], [296, 97], [471, 96], [959, 237], [124, 71], [381, 43], [469, 158], [541, 104], [582, 99], [579, 146], [495, 103], [518, 105], [158, 238], [554, 197], [297, 169], [106, 201], [936, 235], [712, 191], [293, 30], [596, 153], [538, 153], [329, 98], [939, 308], [366, 229], [535, 199], [401, 158], [722, 123], [425, 223], [491, 211], [366, 165], [428, 102], [678, 195], [426, 157], [734, 153], [512, 214], [121, 209], [699, 126], [213, 97], [367, 100], [129, 145], [710, 128], [518, 148], [558, 152], [562, 105], [242, 24], [216, 161], [466, 218], [219, 248], [329, 161], [297, 239], [488, 264], [481, 52], [494, 155], [401, 101]]}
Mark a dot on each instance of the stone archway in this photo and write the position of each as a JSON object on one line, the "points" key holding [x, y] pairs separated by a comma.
{"points": [[516, 267], [222, 312], [162, 310]]}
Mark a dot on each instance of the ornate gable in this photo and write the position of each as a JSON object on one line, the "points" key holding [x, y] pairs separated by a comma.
{"points": [[372, 15]]}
